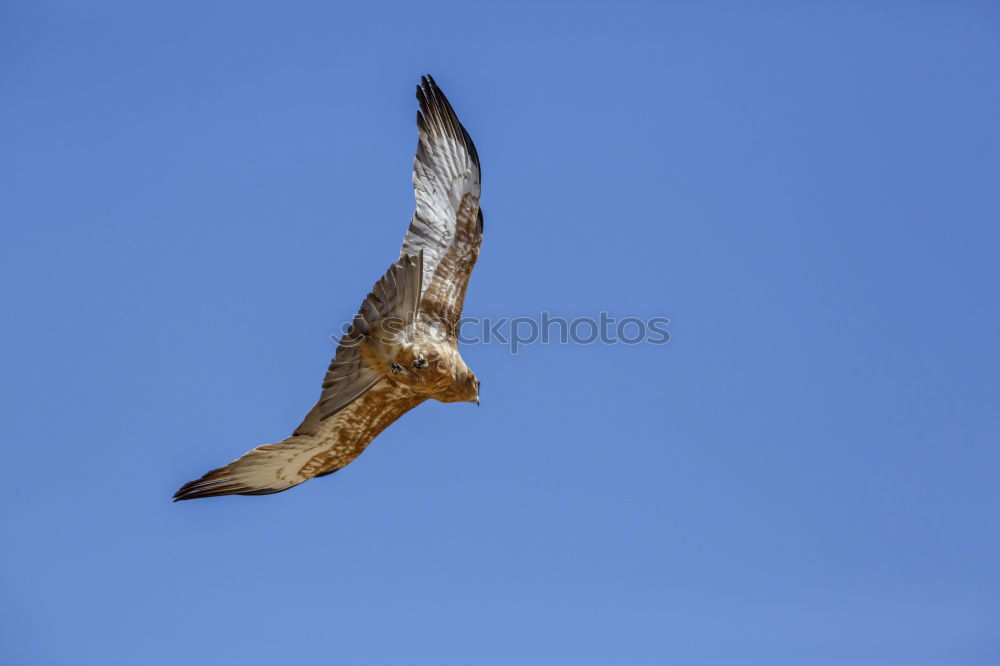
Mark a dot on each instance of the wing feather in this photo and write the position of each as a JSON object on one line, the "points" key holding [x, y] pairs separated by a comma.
{"points": [[395, 295], [446, 184], [318, 447]]}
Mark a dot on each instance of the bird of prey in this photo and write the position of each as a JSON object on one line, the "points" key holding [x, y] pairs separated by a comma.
{"points": [[401, 348]]}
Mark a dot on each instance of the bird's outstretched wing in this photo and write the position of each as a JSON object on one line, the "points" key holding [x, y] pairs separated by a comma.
{"points": [[318, 447], [355, 406], [447, 223]]}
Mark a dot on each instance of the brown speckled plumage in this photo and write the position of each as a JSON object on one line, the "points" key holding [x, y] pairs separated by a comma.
{"points": [[402, 347]]}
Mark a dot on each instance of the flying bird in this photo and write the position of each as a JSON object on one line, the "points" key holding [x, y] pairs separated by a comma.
{"points": [[401, 348]]}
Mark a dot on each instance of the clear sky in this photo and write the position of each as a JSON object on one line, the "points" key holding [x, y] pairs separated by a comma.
{"points": [[196, 195]]}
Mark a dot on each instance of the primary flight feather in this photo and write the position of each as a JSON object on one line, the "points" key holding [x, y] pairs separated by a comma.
{"points": [[401, 348]]}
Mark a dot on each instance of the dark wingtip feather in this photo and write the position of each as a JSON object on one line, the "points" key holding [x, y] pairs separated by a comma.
{"points": [[212, 484], [436, 112]]}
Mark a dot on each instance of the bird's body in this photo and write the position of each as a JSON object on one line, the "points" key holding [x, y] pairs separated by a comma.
{"points": [[402, 347], [422, 359]]}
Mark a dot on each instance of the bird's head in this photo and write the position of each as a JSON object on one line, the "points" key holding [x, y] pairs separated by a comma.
{"points": [[476, 382], [467, 386], [464, 388]]}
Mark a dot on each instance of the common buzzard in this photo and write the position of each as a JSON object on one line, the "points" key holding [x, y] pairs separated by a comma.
{"points": [[401, 348]]}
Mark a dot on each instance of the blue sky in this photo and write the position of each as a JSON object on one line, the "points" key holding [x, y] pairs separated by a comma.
{"points": [[197, 194]]}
